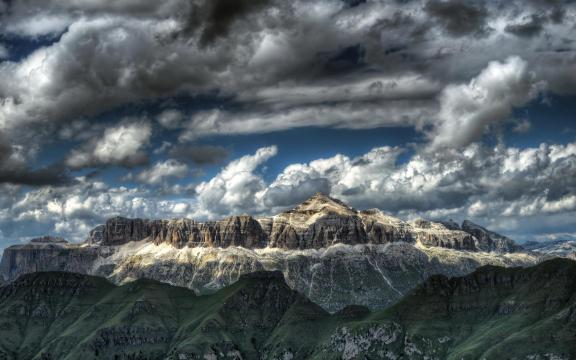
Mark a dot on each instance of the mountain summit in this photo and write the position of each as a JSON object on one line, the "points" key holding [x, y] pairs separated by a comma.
{"points": [[322, 203]]}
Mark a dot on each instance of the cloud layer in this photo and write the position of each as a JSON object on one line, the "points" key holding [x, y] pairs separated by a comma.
{"points": [[159, 87]]}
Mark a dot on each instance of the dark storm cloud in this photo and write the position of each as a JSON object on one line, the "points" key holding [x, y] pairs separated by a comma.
{"points": [[528, 29], [200, 154], [354, 3], [222, 13], [459, 18], [55, 175], [554, 9], [16, 171]]}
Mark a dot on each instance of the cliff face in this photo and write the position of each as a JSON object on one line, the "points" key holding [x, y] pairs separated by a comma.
{"points": [[319, 222], [233, 231], [46, 254], [438, 234], [488, 240]]}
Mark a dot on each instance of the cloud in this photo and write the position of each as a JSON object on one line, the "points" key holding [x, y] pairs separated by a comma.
{"points": [[170, 119], [530, 27], [121, 145], [222, 13], [521, 192], [39, 25], [51, 175], [27, 18], [72, 211], [370, 89], [343, 116], [114, 54], [522, 126], [4, 53], [467, 110], [15, 170], [284, 195], [496, 186], [200, 154], [95, 66], [500, 186], [161, 171], [459, 18], [234, 190], [440, 67]]}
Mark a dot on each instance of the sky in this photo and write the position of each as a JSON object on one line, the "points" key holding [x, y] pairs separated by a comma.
{"points": [[440, 109]]}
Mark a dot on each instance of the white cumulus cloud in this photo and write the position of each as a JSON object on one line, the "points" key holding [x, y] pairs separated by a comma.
{"points": [[163, 170], [119, 145]]}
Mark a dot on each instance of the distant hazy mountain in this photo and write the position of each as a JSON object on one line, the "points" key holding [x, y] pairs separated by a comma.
{"points": [[332, 253], [562, 248], [493, 313]]}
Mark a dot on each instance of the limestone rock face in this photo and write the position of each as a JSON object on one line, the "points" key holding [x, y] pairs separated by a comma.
{"points": [[233, 231], [318, 222], [438, 234], [119, 230], [46, 256], [381, 228], [238, 231]]}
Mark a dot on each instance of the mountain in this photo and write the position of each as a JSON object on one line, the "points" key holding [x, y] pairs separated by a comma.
{"points": [[493, 313], [318, 222], [332, 253], [560, 248]]}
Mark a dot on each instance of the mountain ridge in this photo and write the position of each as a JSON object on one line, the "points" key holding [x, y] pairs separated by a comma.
{"points": [[334, 254], [494, 312], [318, 222]]}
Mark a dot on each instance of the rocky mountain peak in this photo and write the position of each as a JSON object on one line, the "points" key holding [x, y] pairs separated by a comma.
{"points": [[322, 203], [487, 240]]}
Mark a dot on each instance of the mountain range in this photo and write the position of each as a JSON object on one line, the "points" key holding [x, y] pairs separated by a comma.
{"points": [[560, 248], [320, 281], [333, 254], [493, 313]]}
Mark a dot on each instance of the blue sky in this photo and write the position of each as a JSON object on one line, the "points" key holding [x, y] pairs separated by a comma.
{"points": [[171, 109]]}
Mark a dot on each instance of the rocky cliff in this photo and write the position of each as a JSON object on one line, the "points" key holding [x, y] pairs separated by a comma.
{"points": [[334, 254], [319, 222]]}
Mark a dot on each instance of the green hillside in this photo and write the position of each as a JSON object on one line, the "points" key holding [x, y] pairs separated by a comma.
{"points": [[494, 313]]}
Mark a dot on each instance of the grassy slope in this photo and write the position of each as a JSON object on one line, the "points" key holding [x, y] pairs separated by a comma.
{"points": [[492, 313], [495, 312]]}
